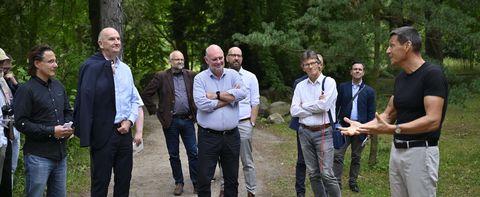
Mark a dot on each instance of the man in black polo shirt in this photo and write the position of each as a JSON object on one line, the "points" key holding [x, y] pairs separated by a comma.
{"points": [[41, 109], [414, 115]]}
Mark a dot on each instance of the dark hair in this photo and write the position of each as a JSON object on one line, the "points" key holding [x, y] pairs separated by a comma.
{"points": [[357, 63], [36, 54], [309, 54], [408, 33]]}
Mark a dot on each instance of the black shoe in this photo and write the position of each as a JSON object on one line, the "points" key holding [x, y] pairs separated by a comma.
{"points": [[354, 188]]}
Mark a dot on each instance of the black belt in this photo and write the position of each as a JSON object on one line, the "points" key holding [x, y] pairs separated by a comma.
{"points": [[244, 119], [182, 116], [226, 132], [414, 143]]}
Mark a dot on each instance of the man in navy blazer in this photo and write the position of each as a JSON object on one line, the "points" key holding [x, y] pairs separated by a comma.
{"points": [[106, 107], [361, 109]]}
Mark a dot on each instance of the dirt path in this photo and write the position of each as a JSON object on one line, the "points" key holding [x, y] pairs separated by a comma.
{"points": [[152, 174]]}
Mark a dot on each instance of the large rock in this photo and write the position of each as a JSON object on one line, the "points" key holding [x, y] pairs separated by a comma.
{"points": [[263, 107], [275, 118], [283, 108]]}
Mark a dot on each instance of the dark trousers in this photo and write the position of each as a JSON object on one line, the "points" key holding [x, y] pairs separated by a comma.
{"points": [[6, 184], [185, 129], [356, 146], [211, 149], [300, 170], [116, 154]]}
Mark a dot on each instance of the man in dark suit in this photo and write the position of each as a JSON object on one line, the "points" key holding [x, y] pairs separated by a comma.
{"points": [[106, 107], [176, 111], [361, 109]]}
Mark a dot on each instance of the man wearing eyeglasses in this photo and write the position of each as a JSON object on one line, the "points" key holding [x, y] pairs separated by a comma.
{"points": [[248, 116], [41, 110], [176, 112], [217, 92], [310, 103]]}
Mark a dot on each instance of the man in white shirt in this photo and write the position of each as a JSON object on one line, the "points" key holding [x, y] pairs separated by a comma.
{"points": [[248, 112], [311, 104]]}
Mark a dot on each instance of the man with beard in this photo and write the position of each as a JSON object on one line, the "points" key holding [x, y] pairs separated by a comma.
{"points": [[247, 116], [176, 112]]}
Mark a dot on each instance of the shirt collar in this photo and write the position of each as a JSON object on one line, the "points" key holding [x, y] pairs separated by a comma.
{"points": [[318, 80], [41, 81], [210, 73], [358, 85]]}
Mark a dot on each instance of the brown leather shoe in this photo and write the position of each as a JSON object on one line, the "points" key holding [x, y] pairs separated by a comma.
{"points": [[178, 189], [222, 194], [251, 195]]}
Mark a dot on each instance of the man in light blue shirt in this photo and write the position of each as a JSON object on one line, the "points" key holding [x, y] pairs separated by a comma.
{"points": [[216, 92], [106, 107]]}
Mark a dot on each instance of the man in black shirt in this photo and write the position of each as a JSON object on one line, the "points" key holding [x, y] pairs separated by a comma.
{"points": [[414, 116], [41, 109]]}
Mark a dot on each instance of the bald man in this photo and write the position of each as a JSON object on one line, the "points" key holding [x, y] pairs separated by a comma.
{"points": [[106, 106], [176, 111], [248, 111], [217, 92]]}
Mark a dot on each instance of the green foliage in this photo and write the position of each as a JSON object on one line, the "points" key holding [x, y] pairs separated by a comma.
{"points": [[458, 157]]}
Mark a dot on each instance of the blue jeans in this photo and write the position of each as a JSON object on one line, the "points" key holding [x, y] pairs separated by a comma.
{"points": [[184, 128], [41, 172], [317, 148]]}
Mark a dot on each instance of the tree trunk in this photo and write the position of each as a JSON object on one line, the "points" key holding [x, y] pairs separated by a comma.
{"points": [[105, 13], [372, 157]]}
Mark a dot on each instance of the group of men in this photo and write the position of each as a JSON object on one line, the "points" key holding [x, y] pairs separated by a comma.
{"points": [[224, 104], [414, 115]]}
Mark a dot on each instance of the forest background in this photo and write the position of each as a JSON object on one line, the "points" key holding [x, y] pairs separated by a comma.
{"points": [[271, 33]]}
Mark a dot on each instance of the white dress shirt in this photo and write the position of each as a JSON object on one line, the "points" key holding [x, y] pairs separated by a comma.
{"points": [[306, 102], [253, 96]]}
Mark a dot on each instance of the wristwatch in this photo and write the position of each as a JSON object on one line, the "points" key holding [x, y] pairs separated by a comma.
{"points": [[397, 129], [218, 95]]}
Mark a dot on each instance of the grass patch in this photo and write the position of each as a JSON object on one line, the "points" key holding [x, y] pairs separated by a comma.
{"points": [[458, 173]]}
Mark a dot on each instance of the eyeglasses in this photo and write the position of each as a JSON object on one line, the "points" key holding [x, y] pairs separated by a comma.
{"points": [[178, 59], [235, 55], [53, 61], [310, 64]]}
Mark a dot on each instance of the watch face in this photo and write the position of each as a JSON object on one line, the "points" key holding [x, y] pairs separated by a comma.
{"points": [[397, 130]]}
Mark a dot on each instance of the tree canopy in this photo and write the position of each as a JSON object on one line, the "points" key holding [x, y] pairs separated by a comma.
{"points": [[271, 33]]}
